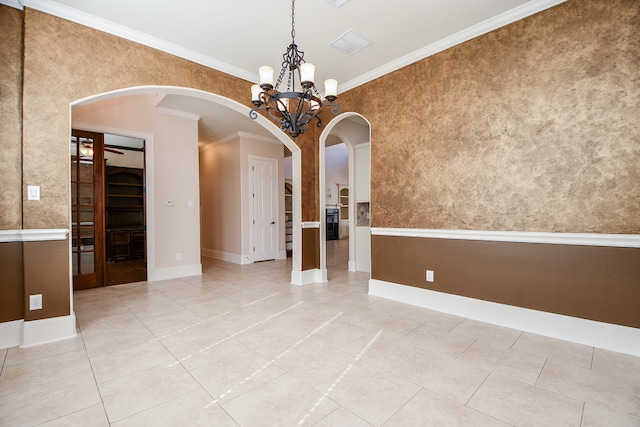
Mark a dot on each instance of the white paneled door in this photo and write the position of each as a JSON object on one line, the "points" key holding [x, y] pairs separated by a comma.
{"points": [[264, 180]]}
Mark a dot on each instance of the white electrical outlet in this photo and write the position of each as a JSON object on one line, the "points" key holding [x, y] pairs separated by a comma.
{"points": [[178, 256], [429, 275], [35, 302]]}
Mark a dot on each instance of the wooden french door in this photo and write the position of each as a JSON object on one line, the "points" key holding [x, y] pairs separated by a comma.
{"points": [[87, 209]]}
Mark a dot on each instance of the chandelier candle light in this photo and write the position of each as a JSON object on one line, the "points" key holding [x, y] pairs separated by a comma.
{"points": [[293, 109]]}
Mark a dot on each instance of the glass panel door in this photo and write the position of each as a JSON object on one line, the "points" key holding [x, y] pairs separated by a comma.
{"points": [[87, 225]]}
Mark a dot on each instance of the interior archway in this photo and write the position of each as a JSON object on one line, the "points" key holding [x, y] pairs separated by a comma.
{"points": [[354, 131], [150, 172]]}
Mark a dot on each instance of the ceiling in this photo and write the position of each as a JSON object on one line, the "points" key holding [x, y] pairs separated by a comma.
{"points": [[239, 36]]}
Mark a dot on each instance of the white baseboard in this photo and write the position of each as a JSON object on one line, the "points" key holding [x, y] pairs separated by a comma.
{"points": [[607, 336], [227, 256], [44, 331], [11, 334], [174, 272], [352, 266], [282, 255], [307, 276]]}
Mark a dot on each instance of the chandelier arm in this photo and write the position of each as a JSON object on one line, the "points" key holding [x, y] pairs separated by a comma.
{"points": [[292, 109]]}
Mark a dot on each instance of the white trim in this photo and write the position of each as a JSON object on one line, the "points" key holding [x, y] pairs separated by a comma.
{"points": [[227, 256], [16, 4], [110, 27], [310, 224], [584, 239], [83, 18], [44, 331], [174, 272], [33, 235], [178, 113], [509, 17], [249, 135], [11, 333], [239, 135], [252, 223], [607, 336], [282, 254], [305, 277]]}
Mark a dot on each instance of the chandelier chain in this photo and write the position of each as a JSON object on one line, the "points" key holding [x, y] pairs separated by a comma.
{"points": [[292, 108], [293, 21]]}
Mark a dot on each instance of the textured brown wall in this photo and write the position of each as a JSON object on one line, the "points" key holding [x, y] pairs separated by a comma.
{"points": [[11, 282], [46, 272], [533, 127], [309, 143], [311, 252], [10, 118], [596, 283], [65, 62]]}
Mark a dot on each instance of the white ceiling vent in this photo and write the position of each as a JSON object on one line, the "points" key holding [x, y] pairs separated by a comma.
{"points": [[337, 3], [350, 42]]}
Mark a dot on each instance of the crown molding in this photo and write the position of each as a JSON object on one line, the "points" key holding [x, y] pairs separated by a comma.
{"points": [[16, 4], [65, 12], [110, 27], [249, 135], [178, 113], [239, 135], [509, 17]]}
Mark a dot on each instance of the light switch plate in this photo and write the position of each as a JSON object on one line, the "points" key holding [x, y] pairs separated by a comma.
{"points": [[33, 192]]}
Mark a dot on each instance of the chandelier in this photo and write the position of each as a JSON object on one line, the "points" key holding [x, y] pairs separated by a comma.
{"points": [[293, 108]]}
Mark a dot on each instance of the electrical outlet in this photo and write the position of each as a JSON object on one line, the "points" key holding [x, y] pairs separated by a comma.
{"points": [[429, 275], [178, 256], [35, 302]]}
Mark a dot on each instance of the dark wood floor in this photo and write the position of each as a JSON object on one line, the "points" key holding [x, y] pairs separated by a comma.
{"points": [[126, 271]]}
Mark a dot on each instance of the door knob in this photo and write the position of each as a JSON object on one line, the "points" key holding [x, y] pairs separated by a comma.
{"points": [[273, 222]]}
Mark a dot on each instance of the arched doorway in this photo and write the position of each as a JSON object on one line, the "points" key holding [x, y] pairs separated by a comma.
{"points": [[156, 214], [355, 132]]}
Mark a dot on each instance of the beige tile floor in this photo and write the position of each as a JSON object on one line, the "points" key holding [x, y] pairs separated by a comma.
{"points": [[240, 346]]}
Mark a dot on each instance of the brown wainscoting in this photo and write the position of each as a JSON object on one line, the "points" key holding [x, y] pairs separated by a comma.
{"points": [[310, 248], [589, 282], [11, 282], [46, 272]]}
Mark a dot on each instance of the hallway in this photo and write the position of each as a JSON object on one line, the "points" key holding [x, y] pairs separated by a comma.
{"points": [[240, 346]]}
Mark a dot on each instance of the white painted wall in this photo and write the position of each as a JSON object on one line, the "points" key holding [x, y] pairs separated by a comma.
{"points": [[172, 175], [220, 196], [226, 198], [336, 172], [362, 193]]}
